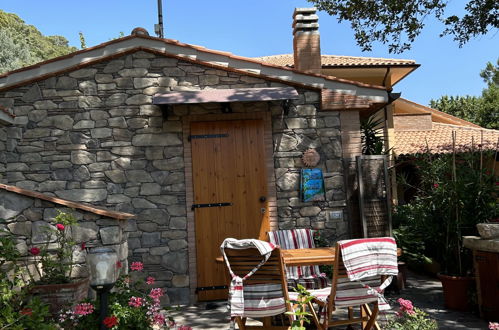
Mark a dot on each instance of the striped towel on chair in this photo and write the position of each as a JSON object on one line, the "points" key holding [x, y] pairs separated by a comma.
{"points": [[367, 259], [238, 293]]}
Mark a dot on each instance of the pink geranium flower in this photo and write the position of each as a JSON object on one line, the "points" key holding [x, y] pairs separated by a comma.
{"points": [[406, 306], [150, 280], [136, 301], [34, 251], [159, 319], [137, 265], [156, 293], [493, 325], [60, 226], [84, 309]]}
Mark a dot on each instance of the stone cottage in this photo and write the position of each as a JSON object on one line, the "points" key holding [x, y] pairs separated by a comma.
{"points": [[198, 144]]}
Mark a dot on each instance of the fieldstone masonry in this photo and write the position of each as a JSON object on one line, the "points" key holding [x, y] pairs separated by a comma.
{"points": [[93, 135], [27, 218]]}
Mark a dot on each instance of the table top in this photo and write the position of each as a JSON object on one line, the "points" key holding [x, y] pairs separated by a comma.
{"points": [[309, 257], [313, 256]]}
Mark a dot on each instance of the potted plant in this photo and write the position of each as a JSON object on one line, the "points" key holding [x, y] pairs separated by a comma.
{"points": [[52, 261], [453, 194]]}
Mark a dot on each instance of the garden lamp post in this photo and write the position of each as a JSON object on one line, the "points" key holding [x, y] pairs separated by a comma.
{"points": [[102, 263]]}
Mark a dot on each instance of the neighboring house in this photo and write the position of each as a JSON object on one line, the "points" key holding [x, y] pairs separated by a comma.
{"points": [[370, 70], [419, 129], [198, 144]]}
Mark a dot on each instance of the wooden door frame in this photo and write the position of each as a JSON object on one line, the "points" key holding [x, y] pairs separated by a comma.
{"points": [[189, 188]]}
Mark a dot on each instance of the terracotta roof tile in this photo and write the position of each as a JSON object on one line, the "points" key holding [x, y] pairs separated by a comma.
{"points": [[71, 204], [439, 139], [183, 57], [338, 61]]}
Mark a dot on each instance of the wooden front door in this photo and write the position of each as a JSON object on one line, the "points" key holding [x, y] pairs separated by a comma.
{"points": [[228, 168]]}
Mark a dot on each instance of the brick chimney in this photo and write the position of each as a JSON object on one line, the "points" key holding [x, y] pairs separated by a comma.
{"points": [[306, 40]]}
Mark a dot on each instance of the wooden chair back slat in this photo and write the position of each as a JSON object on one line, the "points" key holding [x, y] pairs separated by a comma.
{"points": [[271, 272]]}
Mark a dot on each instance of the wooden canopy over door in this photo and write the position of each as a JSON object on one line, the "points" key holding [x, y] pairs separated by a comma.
{"points": [[230, 194]]}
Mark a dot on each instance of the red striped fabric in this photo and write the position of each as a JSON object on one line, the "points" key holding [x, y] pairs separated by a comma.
{"points": [[308, 276], [366, 259]]}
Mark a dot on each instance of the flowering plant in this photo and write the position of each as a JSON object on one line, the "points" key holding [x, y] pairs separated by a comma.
{"points": [[56, 254], [408, 317], [452, 193], [493, 325], [17, 312], [134, 304]]}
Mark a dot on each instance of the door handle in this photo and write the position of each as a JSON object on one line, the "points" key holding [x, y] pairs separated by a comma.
{"points": [[262, 199]]}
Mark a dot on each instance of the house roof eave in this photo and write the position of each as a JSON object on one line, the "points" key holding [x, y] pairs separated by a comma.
{"points": [[196, 54]]}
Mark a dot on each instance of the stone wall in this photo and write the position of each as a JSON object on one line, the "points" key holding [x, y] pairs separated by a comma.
{"points": [[27, 219], [303, 128], [93, 135]]}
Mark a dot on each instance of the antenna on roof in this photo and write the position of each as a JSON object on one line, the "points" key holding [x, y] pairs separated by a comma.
{"points": [[158, 28]]}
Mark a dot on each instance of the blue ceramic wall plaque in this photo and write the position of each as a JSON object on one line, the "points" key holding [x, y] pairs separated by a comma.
{"points": [[312, 185]]}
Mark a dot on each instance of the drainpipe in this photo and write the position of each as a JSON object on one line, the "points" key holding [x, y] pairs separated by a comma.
{"points": [[391, 98]]}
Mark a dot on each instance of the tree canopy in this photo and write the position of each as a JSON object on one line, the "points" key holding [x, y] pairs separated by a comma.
{"points": [[23, 44], [398, 23], [481, 110]]}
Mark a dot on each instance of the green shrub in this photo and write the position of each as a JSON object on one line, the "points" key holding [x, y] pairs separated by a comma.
{"points": [[453, 195]]}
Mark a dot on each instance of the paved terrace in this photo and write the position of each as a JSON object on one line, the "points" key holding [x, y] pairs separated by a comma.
{"points": [[425, 292]]}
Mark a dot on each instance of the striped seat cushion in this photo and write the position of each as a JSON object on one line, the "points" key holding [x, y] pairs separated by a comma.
{"points": [[263, 300], [354, 293], [308, 276], [315, 282], [347, 293], [310, 283]]}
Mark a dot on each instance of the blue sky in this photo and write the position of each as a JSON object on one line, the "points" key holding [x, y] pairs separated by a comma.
{"points": [[263, 27]]}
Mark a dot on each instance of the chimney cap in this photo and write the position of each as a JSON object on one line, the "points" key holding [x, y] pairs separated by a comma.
{"points": [[139, 31], [301, 17], [307, 11]]}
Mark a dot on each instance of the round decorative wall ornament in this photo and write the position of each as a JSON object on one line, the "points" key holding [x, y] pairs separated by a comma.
{"points": [[311, 158]]}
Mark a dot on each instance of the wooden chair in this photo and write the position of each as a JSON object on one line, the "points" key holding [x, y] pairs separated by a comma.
{"points": [[265, 291], [349, 294], [309, 277]]}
